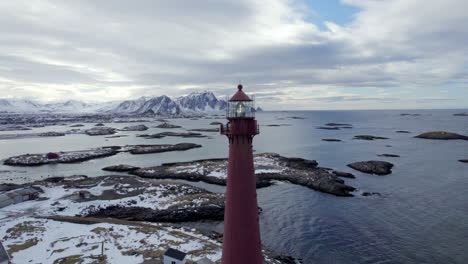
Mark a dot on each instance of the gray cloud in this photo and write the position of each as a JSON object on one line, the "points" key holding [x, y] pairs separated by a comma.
{"points": [[110, 50]]}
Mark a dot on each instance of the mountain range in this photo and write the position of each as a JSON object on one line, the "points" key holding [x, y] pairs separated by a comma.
{"points": [[194, 103]]}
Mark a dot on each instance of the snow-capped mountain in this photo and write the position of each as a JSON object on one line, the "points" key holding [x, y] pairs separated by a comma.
{"points": [[19, 106], [201, 101], [197, 102]]}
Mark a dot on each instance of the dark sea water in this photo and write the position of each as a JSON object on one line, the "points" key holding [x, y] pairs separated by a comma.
{"points": [[421, 217]]}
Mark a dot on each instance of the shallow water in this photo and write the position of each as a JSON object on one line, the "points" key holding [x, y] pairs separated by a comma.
{"points": [[420, 218]]}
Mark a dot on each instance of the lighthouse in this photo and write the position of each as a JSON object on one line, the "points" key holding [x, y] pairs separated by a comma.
{"points": [[241, 242]]}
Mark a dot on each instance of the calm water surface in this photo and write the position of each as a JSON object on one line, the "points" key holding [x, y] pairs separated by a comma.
{"points": [[420, 218]]}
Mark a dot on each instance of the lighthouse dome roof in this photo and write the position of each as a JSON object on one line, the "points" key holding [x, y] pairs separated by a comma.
{"points": [[240, 95]]}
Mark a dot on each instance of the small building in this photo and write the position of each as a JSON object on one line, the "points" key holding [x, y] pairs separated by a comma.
{"points": [[4, 258], [52, 156], [174, 256], [18, 196]]}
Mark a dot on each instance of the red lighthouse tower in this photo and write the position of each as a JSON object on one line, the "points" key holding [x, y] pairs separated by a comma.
{"points": [[241, 244]]}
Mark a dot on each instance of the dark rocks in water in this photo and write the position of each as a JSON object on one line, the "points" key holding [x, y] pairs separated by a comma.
{"points": [[331, 140], [77, 125], [441, 135], [146, 149], [117, 136], [296, 117], [51, 134], [205, 129], [14, 128], [174, 134], [120, 168], [388, 146], [463, 160], [216, 123], [461, 114], [406, 114], [402, 131], [373, 167], [100, 131], [328, 128], [370, 193], [338, 124], [268, 167], [368, 137], [278, 125], [167, 125], [99, 124], [135, 128], [389, 155], [343, 174]]}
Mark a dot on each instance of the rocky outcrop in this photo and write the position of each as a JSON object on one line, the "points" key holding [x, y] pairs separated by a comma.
{"points": [[463, 160], [373, 167], [441, 135], [402, 131], [328, 128], [338, 124], [146, 149], [331, 140], [212, 211], [389, 155], [461, 114], [135, 128], [120, 168], [216, 123], [100, 131], [268, 167], [406, 114], [51, 134], [368, 137], [167, 125], [371, 194], [343, 174], [77, 125], [174, 134], [63, 157], [205, 129]]}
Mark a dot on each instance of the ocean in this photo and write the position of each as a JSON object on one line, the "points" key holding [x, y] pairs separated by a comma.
{"points": [[419, 217]]}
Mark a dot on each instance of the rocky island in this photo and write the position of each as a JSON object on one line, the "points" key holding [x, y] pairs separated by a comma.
{"points": [[60, 157], [268, 167], [441, 135], [83, 155], [373, 167]]}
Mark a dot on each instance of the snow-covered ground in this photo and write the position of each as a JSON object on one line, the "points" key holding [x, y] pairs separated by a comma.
{"points": [[263, 163], [31, 238], [36, 240]]}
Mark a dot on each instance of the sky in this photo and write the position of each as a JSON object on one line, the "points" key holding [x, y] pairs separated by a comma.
{"points": [[291, 54]]}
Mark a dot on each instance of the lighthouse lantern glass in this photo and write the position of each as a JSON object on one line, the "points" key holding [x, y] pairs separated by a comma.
{"points": [[240, 109]]}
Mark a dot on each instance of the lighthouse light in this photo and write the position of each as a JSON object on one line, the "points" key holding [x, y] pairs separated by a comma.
{"points": [[240, 110]]}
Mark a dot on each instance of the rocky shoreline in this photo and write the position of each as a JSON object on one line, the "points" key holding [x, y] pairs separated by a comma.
{"points": [[268, 167]]}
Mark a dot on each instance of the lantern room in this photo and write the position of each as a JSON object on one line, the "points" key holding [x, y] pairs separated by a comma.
{"points": [[240, 105]]}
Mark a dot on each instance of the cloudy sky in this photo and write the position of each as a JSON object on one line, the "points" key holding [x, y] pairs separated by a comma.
{"points": [[304, 54]]}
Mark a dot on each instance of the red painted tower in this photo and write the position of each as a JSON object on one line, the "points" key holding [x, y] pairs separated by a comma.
{"points": [[241, 244]]}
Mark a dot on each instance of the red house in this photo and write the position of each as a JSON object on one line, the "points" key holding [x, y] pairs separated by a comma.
{"points": [[52, 156]]}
